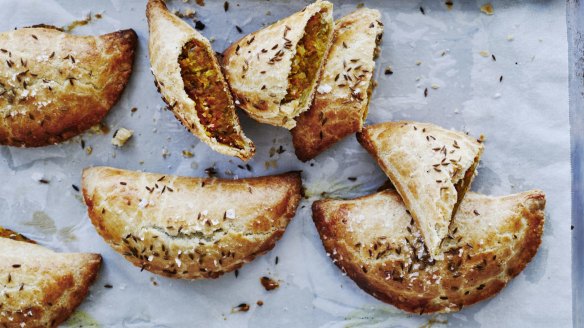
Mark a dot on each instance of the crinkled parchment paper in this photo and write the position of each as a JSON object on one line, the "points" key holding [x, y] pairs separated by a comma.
{"points": [[458, 55]]}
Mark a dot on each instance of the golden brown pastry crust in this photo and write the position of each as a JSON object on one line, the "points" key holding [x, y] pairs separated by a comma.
{"points": [[341, 99], [42, 288], [424, 161], [54, 85], [375, 241], [189, 228], [258, 65], [168, 35], [6, 233]]}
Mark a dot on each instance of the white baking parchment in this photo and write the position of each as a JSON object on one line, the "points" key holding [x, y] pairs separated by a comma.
{"points": [[504, 75]]}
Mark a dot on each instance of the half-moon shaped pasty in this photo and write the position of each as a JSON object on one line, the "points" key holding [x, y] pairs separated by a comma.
{"points": [[376, 242], [54, 85], [431, 168], [273, 72], [41, 288], [189, 77], [189, 228]]}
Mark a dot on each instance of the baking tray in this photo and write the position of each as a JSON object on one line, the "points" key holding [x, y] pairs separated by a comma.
{"points": [[525, 119]]}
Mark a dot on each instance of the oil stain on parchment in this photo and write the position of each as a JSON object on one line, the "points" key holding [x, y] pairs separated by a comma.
{"points": [[45, 225], [81, 319], [383, 315], [372, 315], [42, 222]]}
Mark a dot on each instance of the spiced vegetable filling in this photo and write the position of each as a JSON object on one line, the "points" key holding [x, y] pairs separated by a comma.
{"points": [[463, 184], [205, 87], [309, 54]]}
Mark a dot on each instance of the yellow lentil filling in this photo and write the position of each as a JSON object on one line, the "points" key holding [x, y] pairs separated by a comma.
{"points": [[464, 183], [205, 87], [369, 94], [309, 54]]}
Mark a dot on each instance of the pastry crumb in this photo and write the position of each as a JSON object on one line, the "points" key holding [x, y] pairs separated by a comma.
{"points": [[435, 86], [99, 128], [449, 4], [269, 283], [187, 154], [484, 53], [121, 136], [88, 150], [487, 9], [243, 307], [189, 13]]}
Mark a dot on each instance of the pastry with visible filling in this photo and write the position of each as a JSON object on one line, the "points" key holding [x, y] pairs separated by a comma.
{"points": [[54, 85], [342, 96], [189, 77], [273, 72], [375, 241], [431, 168], [189, 228], [41, 288]]}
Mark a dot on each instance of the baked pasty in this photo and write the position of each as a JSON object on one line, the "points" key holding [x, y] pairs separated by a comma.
{"points": [[273, 72], [431, 168], [41, 288], [189, 77], [189, 228], [342, 96], [375, 241], [54, 85]]}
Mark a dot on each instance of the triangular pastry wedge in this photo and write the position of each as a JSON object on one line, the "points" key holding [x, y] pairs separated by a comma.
{"points": [[375, 242], [431, 168], [55, 85], [273, 72], [189, 77], [189, 228], [342, 97], [41, 288]]}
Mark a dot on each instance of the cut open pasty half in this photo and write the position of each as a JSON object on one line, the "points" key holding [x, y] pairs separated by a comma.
{"points": [[54, 85], [431, 168], [375, 242], [189, 228], [342, 97], [273, 72], [41, 288], [189, 77]]}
